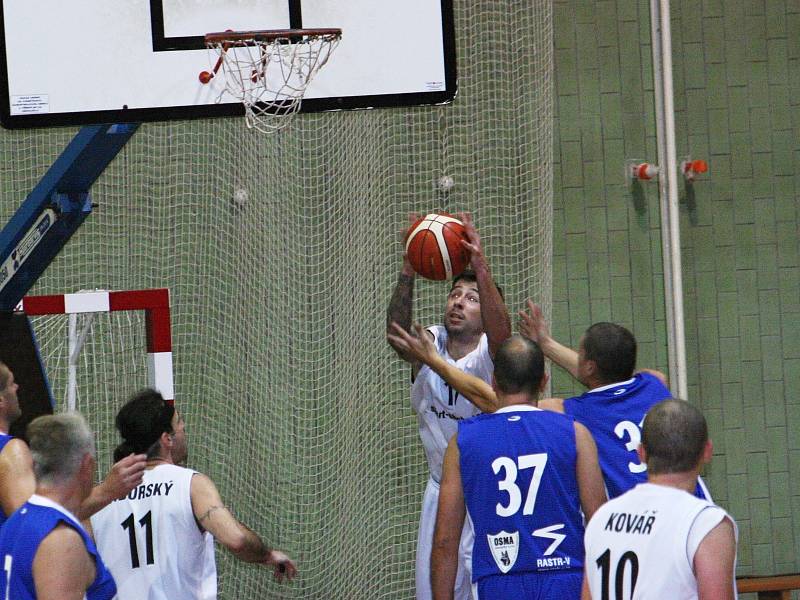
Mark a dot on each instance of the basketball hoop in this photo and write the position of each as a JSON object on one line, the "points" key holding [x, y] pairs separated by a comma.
{"points": [[269, 71]]}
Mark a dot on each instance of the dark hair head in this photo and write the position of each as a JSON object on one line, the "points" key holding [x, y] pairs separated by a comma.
{"points": [[519, 366], [613, 350], [141, 422], [468, 275], [674, 436]]}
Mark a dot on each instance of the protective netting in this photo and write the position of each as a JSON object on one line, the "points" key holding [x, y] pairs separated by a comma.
{"points": [[281, 252], [109, 359]]}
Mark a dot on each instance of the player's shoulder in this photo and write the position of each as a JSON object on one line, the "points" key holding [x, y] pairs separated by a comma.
{"points": [[16, 453], [653, 376], [552, 404]]}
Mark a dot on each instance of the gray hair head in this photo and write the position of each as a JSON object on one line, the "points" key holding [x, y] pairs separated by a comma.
{"points": [[58, 444]]}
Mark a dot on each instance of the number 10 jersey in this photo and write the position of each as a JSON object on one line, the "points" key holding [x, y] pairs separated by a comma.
{"points": [[641, 545], [152, 543]]}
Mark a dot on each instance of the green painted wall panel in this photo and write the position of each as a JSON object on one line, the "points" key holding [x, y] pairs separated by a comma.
{"points": [[737, 85]]}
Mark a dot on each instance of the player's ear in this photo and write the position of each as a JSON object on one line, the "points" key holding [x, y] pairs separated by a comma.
{"points": [[708, 452], [642, 454], [591, 368], [86, 469], [543, 384]]}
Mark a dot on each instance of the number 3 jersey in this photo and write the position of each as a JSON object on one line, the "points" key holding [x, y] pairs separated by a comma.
{"points": [[521, 492], [152, 543], [613, 414], [643, 543]]}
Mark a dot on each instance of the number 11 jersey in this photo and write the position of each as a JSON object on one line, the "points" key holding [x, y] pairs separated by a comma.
{"points": [[152, 543]]}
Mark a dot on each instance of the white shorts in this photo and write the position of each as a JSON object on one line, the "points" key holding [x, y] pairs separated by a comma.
{"points": [[427, 523]]}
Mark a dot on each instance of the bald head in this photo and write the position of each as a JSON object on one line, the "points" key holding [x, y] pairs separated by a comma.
{"points": [[519, 366], [674, 437]]}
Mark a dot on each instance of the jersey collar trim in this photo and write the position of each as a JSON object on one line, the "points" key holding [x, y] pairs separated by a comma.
{"points": [[611, 385], [517, 408], [42, 501]]}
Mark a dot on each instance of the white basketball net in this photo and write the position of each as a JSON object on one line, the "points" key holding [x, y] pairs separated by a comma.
{"points": [[269, 75]]}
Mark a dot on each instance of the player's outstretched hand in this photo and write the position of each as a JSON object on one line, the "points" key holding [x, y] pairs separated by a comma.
{"points": [[418, 347], [532, 324], [125, 475], [473, 241], [284, 566]]}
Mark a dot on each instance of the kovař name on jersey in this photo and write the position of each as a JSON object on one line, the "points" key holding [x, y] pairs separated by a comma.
{"points": [[629, 523], [149, 489]]}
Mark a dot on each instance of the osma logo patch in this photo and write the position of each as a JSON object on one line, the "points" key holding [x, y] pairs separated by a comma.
{"points": [[505, 547]]}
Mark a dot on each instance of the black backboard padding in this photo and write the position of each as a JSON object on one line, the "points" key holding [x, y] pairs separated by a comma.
{"points": [[18, 350]]}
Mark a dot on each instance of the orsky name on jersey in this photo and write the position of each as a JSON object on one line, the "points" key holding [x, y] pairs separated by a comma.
{"points": [[148, 490], [631, 523]]}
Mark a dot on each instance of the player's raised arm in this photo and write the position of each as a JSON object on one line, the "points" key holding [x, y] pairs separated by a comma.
{"points": [[591, 488], [449, 523], [214, 517], [124, 475], [421, 349], [494, 314], [534, 327], [399, 310]]}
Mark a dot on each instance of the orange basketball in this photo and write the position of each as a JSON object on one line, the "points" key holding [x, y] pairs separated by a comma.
{"points": [[433, 246]]}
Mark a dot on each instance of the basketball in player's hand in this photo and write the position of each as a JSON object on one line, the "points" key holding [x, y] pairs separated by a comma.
{"points": [[433, 246]]}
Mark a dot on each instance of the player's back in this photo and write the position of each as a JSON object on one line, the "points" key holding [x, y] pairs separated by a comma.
{"points": [[20, 539], [614, 415], [152, 543], [518, 472], [644, 543]]}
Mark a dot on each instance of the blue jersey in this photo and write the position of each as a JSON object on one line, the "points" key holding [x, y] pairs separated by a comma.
{"points": [[614, 415], [520, 488], [20, 539], [4, 439]]}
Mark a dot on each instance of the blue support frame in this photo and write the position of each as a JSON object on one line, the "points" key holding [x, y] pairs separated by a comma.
{"points": [[55, 208]]}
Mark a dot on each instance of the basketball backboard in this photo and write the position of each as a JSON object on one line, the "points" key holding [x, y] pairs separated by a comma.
{"points": [[139, 60]]}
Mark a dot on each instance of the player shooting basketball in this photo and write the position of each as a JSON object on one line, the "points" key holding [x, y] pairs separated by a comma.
{"points": [[476, 323]]}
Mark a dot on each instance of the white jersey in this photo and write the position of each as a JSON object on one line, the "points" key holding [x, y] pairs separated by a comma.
{"points": [[646, 540], [152, 543], [439, 407]]}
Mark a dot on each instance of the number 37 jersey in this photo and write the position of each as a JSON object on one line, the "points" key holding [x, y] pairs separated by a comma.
{"points": [[520, 488], [152, 543]]}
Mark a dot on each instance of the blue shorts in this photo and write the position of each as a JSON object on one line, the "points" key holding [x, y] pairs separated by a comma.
{"points": [[531, 586]]}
